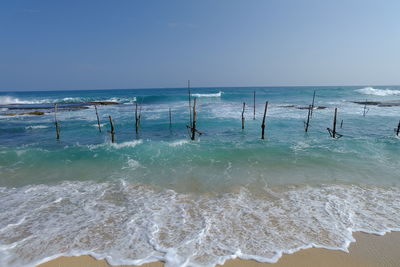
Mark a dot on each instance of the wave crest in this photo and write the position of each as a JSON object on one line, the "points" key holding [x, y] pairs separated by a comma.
{"points": [[208, 95], [378, 92], [9, 100], [178, 143]]}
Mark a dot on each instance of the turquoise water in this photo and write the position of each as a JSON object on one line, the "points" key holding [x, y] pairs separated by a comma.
{"points": [[157, 195]]}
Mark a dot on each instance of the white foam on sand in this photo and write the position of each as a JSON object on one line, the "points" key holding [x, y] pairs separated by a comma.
{"points": [[128, 223]]}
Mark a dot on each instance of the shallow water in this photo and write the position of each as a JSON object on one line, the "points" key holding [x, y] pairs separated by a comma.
{"points": [[159, 196]]}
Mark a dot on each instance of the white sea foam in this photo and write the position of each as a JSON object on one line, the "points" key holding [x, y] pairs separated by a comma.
{"points": [[127, 144], [208, 95], [36, 127], [69, 100], [378, 92], [114, 145], [131, 164], [7, 100], [123, 100], [179, 143], [132, 224]]}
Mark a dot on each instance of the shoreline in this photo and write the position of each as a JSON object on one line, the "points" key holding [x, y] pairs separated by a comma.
{"points": [[368, 250]]}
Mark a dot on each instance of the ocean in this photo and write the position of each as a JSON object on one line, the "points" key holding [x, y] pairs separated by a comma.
{"points": [[157, 195]]}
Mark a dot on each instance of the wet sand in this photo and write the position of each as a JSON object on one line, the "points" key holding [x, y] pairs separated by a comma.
{"points": [[367, 251]]}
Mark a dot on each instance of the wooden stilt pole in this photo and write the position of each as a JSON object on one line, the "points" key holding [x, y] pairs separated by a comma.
{"points": [[398, 129], [98, 120], [112, 132], [190, 104], [334, 124], [194, 120], [307, 123], [136, 118], [244, 106], [192, 130], [332, 132], [263, 121], [365, 108], [170, 118], [140, 113], [341, 124], [56, 122], [312, 104], [254, 105]]}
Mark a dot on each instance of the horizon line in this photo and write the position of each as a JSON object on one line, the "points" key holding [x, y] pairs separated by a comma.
{"points": [[200, 87]]}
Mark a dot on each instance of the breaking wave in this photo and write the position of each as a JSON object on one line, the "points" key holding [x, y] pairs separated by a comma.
{"points": [[179, 143], [31, 127], [8, 100], [378, 92], [208, 95]]}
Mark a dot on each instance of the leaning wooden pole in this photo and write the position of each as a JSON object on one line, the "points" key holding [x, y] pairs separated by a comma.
{"points": [[334, 124], [398, 129], [312, 104], [193, 137], [244, 107], [112, 132], [254, 105], [56, 122], [98, 120], [263, 121], [307, 123]]}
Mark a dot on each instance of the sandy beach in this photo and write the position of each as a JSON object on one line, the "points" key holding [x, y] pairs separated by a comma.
{"points": [[368, 250]]}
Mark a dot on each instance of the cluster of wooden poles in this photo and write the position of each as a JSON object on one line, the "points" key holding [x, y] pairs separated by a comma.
{"points": [[193, 131]]}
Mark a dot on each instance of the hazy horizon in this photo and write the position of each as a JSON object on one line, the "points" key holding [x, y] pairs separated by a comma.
{"points": [[210, 87], [100, 45]]}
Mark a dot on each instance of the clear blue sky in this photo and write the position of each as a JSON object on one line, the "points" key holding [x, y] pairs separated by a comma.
{"points": [[95, 44]]}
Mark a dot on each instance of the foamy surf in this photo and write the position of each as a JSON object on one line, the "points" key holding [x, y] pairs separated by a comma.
{"points": [[129, 223], [9, 100], [127, 144], [208, 95], [178, 143], [33, 127], [378, 92]]}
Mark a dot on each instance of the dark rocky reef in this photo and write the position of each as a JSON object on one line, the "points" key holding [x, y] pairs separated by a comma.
{"points": [[301, 107], [36, 113], [316, 107], [103, 103], [389, 103]]}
